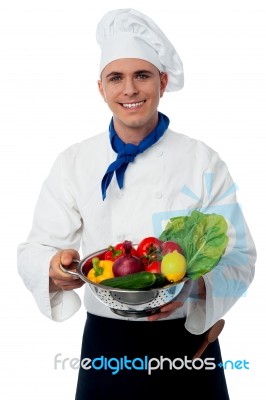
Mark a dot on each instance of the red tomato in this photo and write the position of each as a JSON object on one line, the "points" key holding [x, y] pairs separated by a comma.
{"points": [[149, 249], [117, 251], [169, 246], [149, 245], [154, 266]]}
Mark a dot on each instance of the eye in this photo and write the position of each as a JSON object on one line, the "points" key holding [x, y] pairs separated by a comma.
{"points": [[142, 76], [115, 78]]}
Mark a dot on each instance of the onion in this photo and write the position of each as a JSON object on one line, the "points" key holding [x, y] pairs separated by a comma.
{"points": [[127, 263]]}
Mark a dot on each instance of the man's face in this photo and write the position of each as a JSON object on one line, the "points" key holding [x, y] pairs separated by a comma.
{"points": [[132, 88]]}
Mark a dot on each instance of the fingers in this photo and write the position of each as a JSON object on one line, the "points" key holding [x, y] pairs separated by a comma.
{"points": [[61, 279], [166, 310], [67, 256], [171, 306]]}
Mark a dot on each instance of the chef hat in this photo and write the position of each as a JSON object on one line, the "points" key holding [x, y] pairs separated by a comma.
{"points": [[127, 33]]}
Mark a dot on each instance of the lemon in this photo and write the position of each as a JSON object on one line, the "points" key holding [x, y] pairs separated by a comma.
{"points": [[174, 266]]}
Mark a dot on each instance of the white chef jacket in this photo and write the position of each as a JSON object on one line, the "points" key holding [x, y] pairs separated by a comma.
{"points": [[175, 175]]}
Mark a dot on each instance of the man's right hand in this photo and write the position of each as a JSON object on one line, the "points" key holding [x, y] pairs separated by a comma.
{"points": [[59, 279]]}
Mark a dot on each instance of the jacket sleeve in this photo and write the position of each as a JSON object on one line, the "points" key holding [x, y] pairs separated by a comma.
{"points": [[56, 225], [231, 278]]}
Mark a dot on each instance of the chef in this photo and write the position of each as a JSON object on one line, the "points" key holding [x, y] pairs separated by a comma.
{"points": [[124, 184]]}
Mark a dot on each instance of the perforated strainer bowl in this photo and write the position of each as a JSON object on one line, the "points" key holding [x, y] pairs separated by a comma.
{"points": [[128, 303]]}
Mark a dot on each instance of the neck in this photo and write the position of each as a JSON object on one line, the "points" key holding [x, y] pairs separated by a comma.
{"points": [[135, 133]]}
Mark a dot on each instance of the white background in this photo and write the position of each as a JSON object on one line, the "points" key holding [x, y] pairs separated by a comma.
{"points": [[49, 100]]}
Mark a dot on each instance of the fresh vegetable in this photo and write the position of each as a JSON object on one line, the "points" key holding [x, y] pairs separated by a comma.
{"points": [[160, 280], [154, 266], [169, 246], [117, 251], [101, 269], [149, 250], [137, 281], [174, 266], [112, 253], [127, 263], [202, 237]]}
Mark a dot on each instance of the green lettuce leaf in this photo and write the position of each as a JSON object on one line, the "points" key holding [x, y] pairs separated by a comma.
{"points": [[203, 238]]}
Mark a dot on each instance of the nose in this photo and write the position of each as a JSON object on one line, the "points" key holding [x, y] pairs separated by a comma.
{"points": [[130, 87]]}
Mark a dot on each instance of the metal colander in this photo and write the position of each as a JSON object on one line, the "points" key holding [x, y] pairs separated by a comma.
{"points": [[134, 303]]}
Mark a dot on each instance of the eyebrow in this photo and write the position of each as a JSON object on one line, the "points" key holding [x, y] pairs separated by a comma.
{"points": [[142, 71]]}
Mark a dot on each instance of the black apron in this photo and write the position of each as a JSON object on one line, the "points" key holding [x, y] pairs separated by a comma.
{"points": [[132, 359]]}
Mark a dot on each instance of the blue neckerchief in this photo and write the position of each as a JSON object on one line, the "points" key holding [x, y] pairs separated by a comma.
{"points": [[126, 152]]}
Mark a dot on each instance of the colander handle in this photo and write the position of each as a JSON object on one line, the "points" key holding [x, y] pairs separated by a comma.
{"points": [[68, 271]]}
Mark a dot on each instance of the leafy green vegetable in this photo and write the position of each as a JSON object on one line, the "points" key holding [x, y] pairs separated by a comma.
{"points": [[203, 238]]}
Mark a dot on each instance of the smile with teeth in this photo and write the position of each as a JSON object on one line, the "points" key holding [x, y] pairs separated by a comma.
{"points": [[133, 105]]}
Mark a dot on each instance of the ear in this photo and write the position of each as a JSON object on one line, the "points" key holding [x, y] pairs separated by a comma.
{"points": [[163, 82], [100, 87]]}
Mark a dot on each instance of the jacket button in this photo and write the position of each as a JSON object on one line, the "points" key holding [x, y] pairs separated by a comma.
{"points": [[158, 195], [159, 153]]}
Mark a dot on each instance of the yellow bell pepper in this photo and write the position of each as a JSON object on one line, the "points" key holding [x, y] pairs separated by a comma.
{"points": [[101, 269]]}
